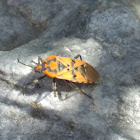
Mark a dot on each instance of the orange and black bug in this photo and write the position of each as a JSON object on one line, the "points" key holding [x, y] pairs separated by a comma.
{"points": [[71, 70]]}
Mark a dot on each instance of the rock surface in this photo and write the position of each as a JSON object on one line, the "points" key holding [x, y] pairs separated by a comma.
{"points": [[106, 34]]}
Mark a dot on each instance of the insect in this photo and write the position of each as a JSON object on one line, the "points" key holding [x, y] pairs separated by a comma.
{"points": [[72, 70]]}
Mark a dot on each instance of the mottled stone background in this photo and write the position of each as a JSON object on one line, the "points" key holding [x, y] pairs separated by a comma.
{"points": [[107, 35]]}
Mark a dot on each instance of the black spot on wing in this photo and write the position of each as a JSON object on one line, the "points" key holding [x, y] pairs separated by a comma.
{"points": [[74, 76], [54, 59], [60, 66], [49, 70], [48, 62]]}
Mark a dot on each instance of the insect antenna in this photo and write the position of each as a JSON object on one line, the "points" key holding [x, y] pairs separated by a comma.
{"points": [[24, 64], [34, 62]]}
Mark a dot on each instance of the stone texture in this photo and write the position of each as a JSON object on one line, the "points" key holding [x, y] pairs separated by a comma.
{"points": [[106, 34]]}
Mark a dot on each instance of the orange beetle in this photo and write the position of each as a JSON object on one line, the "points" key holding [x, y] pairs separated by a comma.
{"points": [[68, 69]]}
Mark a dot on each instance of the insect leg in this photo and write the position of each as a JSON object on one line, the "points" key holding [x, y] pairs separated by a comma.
{"points": [[78, 56], [34, 81], [54, 87], [74, 86], [40, 78], [40, 60]]}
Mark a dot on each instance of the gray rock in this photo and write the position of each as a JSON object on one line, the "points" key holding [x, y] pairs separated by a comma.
{"points": [[106, 34], [15, 30]]}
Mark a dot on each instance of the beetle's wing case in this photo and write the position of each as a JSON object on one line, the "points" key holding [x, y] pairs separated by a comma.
{"points": [[50, 66], [74, 70], [64, 60], [89, 73], [64, 68]]}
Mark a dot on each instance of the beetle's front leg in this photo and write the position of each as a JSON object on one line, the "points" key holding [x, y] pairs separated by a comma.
{"points": [[54, 87], [40, 60]]}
